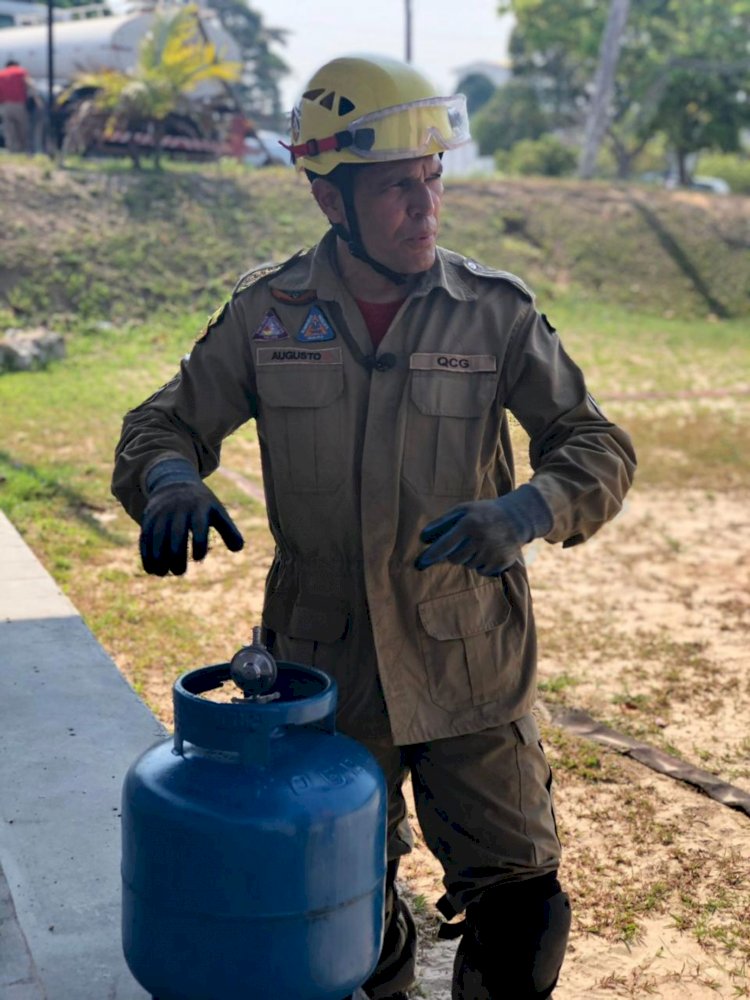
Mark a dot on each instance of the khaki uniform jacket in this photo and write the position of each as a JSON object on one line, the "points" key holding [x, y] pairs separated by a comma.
{"points": [[358, 458]]}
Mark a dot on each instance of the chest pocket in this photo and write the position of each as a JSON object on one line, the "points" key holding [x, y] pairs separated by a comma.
{"points": [[447, 440], [301, 418]]}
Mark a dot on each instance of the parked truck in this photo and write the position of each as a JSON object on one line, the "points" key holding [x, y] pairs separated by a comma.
{"points": [[210, 128]]}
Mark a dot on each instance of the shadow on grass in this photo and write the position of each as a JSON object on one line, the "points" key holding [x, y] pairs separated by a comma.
{"points": [[41, 486], [681, 259]]}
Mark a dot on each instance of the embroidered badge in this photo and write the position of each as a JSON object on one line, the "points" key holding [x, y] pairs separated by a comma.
{"points": [[271, 328], [316, 327], [301, 297]]}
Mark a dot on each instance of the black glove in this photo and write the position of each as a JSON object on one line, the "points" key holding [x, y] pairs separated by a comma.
{"points": [[179, 503], [486, 535]]}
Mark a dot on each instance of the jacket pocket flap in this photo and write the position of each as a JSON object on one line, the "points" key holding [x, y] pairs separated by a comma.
{"points": [[468, 612], [437, 394], [311, 617], [317, 624]]}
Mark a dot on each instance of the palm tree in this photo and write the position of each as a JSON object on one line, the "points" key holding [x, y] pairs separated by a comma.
{"points": [[173, 59], [258, 89]]}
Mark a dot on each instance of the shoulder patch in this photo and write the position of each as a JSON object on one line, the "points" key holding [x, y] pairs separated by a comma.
{"points": [[214, 320], [485, 271], [302, 297], [257, 274]]}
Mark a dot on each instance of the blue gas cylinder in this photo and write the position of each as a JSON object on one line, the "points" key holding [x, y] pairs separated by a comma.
{"points": [[253, 848]]}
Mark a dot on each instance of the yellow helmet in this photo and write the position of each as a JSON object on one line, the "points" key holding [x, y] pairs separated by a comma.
{"points": [[360, 109]]}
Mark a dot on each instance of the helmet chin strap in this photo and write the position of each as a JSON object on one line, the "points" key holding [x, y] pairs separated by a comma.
{"points": [[353, 239], [356, 249]]}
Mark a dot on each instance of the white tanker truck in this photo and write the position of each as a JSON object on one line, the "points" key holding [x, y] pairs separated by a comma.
{"points": [[96, 43], [112, 42]]}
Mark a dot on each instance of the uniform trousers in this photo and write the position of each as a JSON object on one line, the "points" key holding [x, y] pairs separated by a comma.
{"points": [[484, 805]]}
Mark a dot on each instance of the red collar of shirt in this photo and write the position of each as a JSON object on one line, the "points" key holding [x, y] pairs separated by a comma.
{"points": [[378, 316]]}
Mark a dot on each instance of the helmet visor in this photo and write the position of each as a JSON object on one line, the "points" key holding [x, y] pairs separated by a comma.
{"points": [[409, 130]]}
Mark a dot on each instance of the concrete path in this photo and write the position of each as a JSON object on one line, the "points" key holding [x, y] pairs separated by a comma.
{"points": [[70, 726]]}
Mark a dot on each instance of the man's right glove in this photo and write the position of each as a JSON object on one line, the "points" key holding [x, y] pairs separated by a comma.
{"points": [[180, 504]]}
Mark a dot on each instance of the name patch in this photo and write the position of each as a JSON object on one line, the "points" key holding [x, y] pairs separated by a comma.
{"points": [[453, 362], [282, 356]]}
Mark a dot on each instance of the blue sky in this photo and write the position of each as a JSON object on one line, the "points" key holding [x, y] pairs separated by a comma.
{"points": [[446, 34]]}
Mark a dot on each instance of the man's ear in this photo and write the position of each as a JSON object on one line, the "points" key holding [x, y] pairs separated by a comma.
{"points": [[329, 200]]}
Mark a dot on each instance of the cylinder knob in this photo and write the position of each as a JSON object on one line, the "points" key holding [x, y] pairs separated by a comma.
{"points": [[253, 669]]}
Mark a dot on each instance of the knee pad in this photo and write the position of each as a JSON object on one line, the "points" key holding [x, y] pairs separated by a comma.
{"points": [[514, 942]]}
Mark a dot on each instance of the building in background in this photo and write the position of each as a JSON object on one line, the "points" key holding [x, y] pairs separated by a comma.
{"points": [[498, 73]]}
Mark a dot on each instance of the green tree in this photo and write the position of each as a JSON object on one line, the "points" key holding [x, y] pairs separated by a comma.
{"points": [[173, 59], [556, 42], [513, 113], [546, 156], [698, 113], [554, 45]]}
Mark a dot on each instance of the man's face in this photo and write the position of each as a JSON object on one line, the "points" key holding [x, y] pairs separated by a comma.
{"points": [[398, 209]]}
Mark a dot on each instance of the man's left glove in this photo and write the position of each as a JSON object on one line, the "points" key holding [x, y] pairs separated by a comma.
{"points": [[486, 535], [179, 503]]}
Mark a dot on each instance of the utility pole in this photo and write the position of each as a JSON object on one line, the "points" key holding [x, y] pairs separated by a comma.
{"points": [[51, 137], [407, 11], [598, 116]]}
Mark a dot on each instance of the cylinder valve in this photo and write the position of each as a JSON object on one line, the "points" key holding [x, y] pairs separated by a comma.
{"points": [[253, 669]]}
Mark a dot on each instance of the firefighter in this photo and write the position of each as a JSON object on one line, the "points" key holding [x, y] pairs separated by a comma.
{"points": [[381, 369]]}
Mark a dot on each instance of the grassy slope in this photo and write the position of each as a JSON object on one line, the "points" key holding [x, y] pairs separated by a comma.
{"points": [[123, 245]]}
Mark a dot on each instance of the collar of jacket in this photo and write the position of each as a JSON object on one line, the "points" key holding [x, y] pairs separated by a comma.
{"points": [[317, 269]]}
